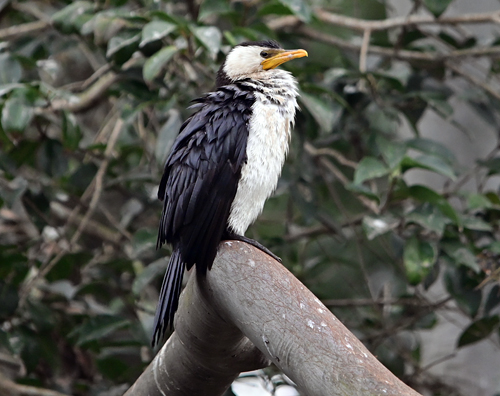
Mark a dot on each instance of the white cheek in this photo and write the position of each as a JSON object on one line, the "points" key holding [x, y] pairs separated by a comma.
{"points": [[243, 61]]}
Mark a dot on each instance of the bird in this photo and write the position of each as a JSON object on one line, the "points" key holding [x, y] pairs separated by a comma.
{"points": [[224, 164]]}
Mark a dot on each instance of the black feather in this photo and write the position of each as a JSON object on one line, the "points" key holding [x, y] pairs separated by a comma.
{"points": [[198, 186]]}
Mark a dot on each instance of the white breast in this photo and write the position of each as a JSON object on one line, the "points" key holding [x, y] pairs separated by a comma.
{"points": [[267, 146]]}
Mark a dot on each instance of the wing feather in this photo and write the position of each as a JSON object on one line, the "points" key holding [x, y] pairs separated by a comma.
{"points": [[201, 175]]}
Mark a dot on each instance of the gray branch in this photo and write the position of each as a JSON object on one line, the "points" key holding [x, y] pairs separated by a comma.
{"points": [[249, 300]]}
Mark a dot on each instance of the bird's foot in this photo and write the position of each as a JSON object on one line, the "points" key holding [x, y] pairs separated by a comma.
{"points": [[253, 242]]}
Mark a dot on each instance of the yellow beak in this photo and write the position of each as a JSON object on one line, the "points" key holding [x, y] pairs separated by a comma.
{"points": [[282, 57]]}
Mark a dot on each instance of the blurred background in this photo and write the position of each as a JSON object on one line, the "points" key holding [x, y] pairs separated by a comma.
{"points": [[388, 208]]}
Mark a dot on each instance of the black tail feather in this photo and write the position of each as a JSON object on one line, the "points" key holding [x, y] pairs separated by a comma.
{"points": [[169, 297]]}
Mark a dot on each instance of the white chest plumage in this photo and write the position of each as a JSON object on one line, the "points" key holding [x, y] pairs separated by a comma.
{"points": [[267, 146]]}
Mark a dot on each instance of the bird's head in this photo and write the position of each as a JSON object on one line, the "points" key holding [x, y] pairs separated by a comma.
{"points": [[250, 59]]}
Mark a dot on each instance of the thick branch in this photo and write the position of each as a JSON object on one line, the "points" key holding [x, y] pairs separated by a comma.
{"points": [[202, 357], [249, 293]]}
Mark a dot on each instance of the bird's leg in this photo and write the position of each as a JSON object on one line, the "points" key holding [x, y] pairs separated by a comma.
{"points": [[235, 237]]}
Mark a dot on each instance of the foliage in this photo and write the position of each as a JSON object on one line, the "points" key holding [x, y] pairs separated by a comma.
{"points": [[91, 99]]}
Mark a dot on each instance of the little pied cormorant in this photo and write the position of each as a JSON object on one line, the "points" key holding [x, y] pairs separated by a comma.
{"points": [[224, 163]]}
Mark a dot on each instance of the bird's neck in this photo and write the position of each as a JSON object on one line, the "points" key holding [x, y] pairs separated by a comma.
{"points": [[277, 85]]}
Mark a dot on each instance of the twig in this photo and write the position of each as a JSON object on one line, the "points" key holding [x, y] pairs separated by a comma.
{"points": [[14, 32], [333, 153], [474, 80], [391, 23], [311, 150], [87, 98], [94, 228], [99, 179], [8, 387], [399, 54], [28, 8], [364, 50]]}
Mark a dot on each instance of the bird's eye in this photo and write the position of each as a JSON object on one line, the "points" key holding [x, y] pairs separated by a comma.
{"points": [[264, 54]]}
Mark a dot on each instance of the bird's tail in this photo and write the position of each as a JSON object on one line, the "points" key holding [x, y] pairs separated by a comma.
{"points": [[169, 297]]}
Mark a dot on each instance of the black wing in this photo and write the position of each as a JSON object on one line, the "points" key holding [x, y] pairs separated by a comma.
{"points": [[202, 173]]}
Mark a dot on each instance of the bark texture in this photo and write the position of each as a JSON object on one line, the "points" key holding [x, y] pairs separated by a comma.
{"points": [[249, 300]]}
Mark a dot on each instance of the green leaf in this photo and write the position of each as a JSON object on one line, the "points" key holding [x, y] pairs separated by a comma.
{"points": [[325, 112], [418, 257], [144, 240], [10, 298], [462, 287], [461, 255], [492, 164], [494, 247], [122, 46], [16, 115], [363, 190], [210, 37], [72, 17], [392, 152], [51, 158], [437, 7], [429, 217], [273, 8], [478, 330], [375, 226], [475, 223], [428, 162], [369, 168], [156, 30], [299, 8], [96, 328], [384, 120], [432, 147], [211, 7], [71, 131], [425, 194], [493, 299], [10, 70], [148, 274], [438, 102], [478, 201], [155, 64]]}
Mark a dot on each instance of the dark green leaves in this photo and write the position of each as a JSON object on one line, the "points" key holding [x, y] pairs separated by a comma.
{"points": [[71, 18], [157, 62], [16, 115], [299, 8], [156, 30], [10, 70], [479, 330], [419, 257], [437, 7], [369, 168], [210, 37], [96, 328], [325, 112]]}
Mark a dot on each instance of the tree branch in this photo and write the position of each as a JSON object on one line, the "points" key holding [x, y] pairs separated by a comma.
{"points": [[386, 24], [391, 23], [247, 294], [399, 54], [85, 99], [14, 32], [10, 388]]}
